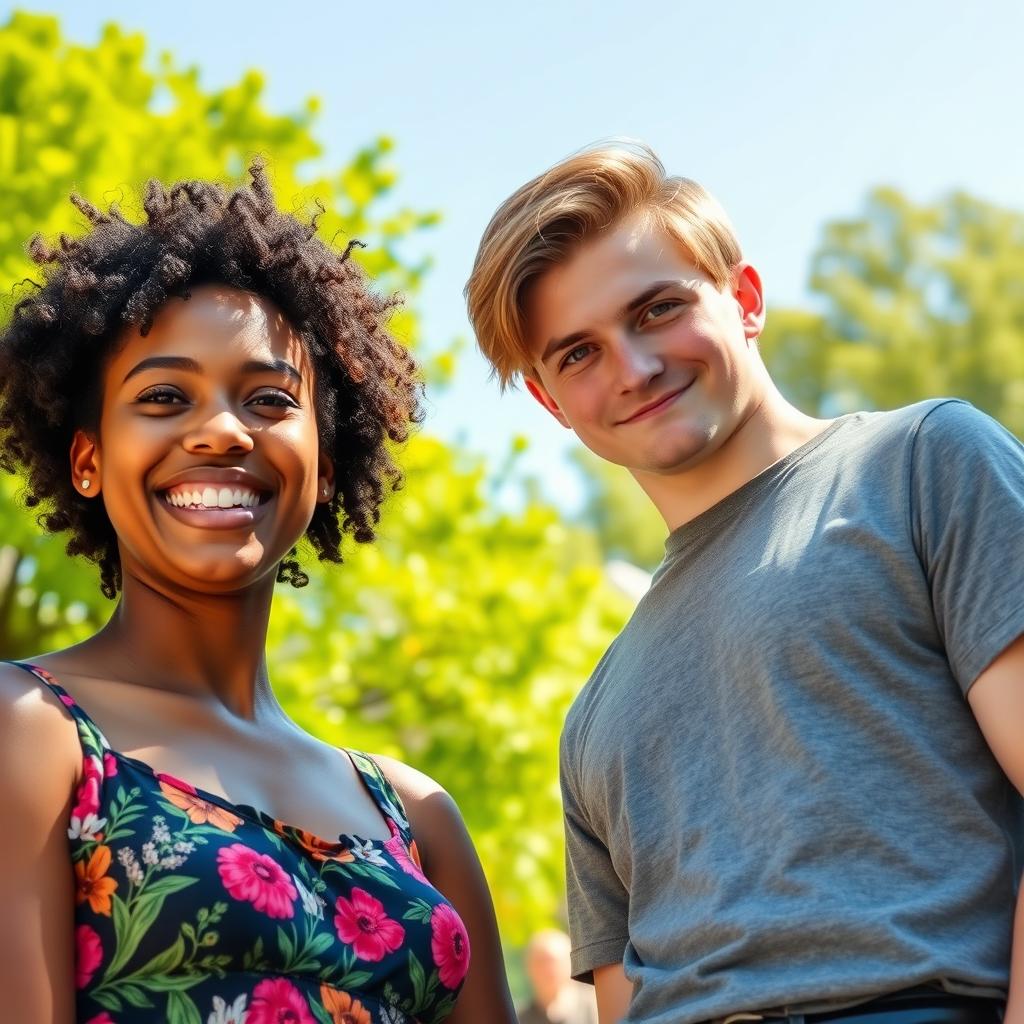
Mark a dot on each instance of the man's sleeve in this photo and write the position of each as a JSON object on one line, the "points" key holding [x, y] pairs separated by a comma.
{"points": [[598, 903], [967, 508]]}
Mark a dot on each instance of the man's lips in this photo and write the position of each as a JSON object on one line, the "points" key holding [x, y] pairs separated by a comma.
{"points": [[653, 408]]}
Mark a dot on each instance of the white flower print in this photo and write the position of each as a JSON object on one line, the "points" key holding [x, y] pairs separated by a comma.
{"points": [[88, 828], [369, 853], [310, 903], [392, 1015], [224, 1014]]}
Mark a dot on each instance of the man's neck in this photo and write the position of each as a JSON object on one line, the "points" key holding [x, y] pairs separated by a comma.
{"points": [[772, 430]]}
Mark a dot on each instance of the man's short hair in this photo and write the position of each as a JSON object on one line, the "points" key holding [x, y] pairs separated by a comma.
{"points": [[540, 226]]}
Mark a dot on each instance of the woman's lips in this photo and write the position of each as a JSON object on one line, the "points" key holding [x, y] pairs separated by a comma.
{"points": [[234, 518]]}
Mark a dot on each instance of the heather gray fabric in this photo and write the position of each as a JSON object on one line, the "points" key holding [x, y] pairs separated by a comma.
{"points": [[775, 792]]}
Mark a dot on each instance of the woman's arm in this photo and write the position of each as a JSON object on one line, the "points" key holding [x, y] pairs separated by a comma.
{"points": [[451, 864], [39, 762]]}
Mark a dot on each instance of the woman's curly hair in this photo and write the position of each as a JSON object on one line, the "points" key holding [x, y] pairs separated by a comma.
{"points": [[119, 274]]}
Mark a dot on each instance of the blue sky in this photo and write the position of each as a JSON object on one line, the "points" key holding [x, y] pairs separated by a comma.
{"points": [[788, 112]]}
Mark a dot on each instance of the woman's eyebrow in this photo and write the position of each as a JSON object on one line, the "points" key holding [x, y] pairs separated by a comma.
{"points": [[273, 366], [163, 363], [191, 366]]}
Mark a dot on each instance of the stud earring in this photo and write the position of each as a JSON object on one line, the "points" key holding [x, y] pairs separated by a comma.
{"points": [[86, 484]]}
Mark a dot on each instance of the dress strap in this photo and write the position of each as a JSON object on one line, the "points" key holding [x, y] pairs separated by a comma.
{"points": [[383, 793], [93, 741]]}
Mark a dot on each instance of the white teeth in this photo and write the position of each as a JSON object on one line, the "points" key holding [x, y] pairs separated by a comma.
{"points": [[212, 497]]}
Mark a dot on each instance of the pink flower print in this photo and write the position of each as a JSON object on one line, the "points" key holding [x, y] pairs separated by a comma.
{"points": [[101, 1018], [450, 945], [407, 859], [258, 879], [109, 765], [362, 924], [66, 701], [88, 954], [84, 821], [278, 1001]]}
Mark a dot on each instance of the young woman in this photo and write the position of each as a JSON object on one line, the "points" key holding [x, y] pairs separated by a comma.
{"points": [[189, 398]]}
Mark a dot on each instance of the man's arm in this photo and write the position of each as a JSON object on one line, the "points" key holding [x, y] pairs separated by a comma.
{"points": [[997, 700], [613, 993]]}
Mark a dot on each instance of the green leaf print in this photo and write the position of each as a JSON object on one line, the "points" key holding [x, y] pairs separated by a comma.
{"points": [[132, 919], [170, 884], [419, 981], [181, 1010], [419, 910], [134, 996], [107, 1000], [320, 1013], [285, 944]]}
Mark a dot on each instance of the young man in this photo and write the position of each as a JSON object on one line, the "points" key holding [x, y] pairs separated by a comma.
{"points": [[791, 785]]}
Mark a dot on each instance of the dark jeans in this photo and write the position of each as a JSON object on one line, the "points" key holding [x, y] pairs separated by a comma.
{"points": [[911, 1006]]}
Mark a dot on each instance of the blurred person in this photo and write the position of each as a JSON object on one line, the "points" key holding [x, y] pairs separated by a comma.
{"points": [[557, 999], [189, 398], [792, 784]]}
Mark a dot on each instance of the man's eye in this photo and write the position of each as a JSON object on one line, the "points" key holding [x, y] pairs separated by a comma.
{"points": [[659, 309], [161, 396], [575, 355]]}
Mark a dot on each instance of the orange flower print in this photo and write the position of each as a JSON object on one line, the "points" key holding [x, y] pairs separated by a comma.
{"points": [[342, 1007], [199, 811], [94, 884], [317, 848]]}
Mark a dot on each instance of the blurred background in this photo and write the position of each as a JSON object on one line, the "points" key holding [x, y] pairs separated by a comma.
{"points": [[870, 156]]}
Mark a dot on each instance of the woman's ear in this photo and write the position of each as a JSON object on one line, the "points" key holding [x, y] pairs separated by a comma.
{"points": [[85, 464], [324, 479]]}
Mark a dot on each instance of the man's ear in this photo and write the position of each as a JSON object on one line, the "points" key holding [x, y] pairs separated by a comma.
{"points": [[536, 389], [85, 464], [324, 478], [746, 287]]}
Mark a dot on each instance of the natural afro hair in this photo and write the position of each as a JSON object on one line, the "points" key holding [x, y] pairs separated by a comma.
{"points": [[119, 274]]}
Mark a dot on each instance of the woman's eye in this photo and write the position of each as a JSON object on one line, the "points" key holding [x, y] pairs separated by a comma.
{"points": [[274, 399], [161, 396]]}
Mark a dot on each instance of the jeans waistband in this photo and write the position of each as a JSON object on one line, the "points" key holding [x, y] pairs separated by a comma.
{"points": [[920, 1005]]}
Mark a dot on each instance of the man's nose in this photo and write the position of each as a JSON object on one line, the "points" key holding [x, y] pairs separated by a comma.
{"points": [[638, 363]]}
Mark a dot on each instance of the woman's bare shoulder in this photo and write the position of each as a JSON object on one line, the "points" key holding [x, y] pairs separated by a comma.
{"points": [[38, 740]]}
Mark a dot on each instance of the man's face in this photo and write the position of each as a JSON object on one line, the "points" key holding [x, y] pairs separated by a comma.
{"points": [[641, 354]]}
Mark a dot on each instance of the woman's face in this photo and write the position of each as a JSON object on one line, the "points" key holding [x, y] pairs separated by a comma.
{"points": [[207, 456]]}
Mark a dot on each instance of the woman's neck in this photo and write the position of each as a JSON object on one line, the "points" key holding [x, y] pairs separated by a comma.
{"points": [[202, 645]]}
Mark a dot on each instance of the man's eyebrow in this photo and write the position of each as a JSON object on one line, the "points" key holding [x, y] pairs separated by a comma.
{"points": [[646, 295], [163, 363], [556, 345], [184, 363]]}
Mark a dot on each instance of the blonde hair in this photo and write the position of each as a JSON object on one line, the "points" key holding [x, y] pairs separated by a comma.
{"points": [[541, 225]]}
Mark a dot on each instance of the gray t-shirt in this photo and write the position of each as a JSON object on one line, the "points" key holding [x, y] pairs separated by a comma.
{"points": [[775, 792]]}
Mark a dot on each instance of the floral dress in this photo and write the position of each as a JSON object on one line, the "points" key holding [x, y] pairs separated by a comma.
{"points": [[193, 910]]}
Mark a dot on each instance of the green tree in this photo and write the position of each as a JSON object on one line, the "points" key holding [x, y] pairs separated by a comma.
{"points": [[916, 301], [628, 526], [458, 640]]}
